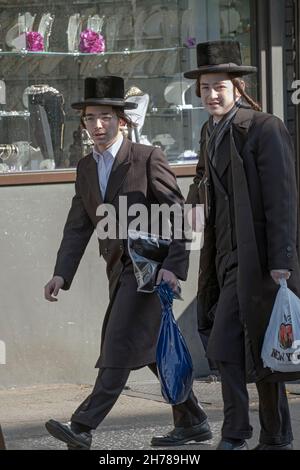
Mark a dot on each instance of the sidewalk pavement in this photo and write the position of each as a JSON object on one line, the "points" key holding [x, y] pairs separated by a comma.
{"points": [[139, 414]]}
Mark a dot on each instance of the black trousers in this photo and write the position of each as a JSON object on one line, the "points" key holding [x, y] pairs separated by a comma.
{"points": [[107, 389], [274, 412], [227, 347]]}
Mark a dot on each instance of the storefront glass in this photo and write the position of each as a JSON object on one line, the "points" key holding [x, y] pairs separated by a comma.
{"points": [[49, 47]]}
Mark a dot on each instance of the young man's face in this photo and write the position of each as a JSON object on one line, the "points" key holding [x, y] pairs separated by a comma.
{"points": [[218, 94], [103, 125]]}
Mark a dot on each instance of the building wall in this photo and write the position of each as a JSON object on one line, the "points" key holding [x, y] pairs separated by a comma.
{"points": [[277, 29], [59, 342], [292, 73], [290, 66]]}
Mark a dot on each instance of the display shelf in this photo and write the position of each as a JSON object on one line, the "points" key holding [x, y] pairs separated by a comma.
{"points": [[149, 54], [69, 175], [13, 114], [77, 3], [172, 111], [169, 112], [127, 52]]}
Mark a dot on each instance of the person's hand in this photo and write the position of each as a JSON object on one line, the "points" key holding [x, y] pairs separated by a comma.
{"points": [[169, 277], [52, 288], [277, 274]]}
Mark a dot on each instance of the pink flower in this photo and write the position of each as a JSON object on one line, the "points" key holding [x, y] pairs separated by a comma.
{"points": [[90, 41], [34, 41]]}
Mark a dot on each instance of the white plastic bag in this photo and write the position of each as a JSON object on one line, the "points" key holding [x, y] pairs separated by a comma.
{"points": [[281, 347]]}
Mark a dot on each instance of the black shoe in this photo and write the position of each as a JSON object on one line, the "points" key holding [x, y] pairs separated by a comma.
{"points": [[226, 445], [179, 436], [76, 448], [288, 446], [63, 432]]}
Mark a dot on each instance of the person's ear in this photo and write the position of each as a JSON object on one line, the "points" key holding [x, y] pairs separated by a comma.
{"points": [[237, 93], [243, 85], [122, 122]]}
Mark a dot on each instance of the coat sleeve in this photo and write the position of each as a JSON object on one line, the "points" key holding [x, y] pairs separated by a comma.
{"points": [[195, 195], [277, 173], [164, 187], [76, 235]]}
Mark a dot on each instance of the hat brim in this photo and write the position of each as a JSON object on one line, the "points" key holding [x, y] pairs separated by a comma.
{"points": [[104, 102], [237, 70]]}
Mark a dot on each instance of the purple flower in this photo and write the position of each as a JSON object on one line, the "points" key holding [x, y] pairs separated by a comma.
{"points": [[190, 42], [34, 41], [90, 41]]}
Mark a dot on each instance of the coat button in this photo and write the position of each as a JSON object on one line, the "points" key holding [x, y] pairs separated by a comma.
{"points": [[226, 198], [289, 255], [288, 248]]}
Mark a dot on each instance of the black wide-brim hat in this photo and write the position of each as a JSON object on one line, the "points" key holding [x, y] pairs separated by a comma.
{"points": [[107, 90], [220, 57]]}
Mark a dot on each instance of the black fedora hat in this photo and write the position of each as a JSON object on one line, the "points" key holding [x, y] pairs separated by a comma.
{"points": [[108, 90], [219, 56]]}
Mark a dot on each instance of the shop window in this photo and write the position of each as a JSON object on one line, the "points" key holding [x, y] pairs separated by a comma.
{"points": [[49, 47]]}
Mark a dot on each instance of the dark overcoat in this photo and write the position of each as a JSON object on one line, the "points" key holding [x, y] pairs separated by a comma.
{"points": [[259, 153], [132, 320]]}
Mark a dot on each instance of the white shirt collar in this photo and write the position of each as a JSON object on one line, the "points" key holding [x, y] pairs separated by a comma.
{"points": [[113, 149]]}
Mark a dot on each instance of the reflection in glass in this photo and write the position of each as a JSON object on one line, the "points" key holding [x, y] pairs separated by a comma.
{"points": [[149, 44]]}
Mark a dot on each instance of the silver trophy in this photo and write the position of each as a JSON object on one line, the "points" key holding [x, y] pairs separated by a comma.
{"points": [[45, 28], [16, 35], [73, 32], [95, 23], [25, 22]]}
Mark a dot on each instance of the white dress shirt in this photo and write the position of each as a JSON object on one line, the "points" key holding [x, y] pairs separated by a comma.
{"points": [[105, 162]]}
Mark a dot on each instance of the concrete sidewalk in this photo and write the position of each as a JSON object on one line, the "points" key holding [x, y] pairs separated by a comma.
{"points": [[139, 414]]}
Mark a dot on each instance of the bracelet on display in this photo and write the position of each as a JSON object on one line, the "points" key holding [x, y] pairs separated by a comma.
{"points": [[7, 150], [43, 88], [38, 90]]}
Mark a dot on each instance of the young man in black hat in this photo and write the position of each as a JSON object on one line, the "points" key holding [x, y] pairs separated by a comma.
{"points": [[246, 181], [119, 168]]}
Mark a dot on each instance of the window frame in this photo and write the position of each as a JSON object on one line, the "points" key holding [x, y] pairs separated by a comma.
{"points": [[69, 176]]}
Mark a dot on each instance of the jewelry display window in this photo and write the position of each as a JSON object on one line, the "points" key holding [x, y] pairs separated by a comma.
{"points": [[47, 48]]}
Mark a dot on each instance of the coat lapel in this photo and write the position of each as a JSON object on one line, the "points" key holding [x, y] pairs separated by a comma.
{"points": [[240, 124], [216, 178], [93, 180], [223, 156], [119, 171]]}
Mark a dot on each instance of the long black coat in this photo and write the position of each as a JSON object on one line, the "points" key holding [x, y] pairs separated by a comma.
{"points": [[265, 204], [132, 320]]}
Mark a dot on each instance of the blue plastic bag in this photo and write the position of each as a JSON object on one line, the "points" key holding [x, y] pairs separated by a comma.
{"points": [[174, 362]]}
